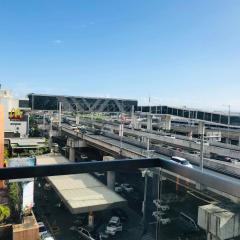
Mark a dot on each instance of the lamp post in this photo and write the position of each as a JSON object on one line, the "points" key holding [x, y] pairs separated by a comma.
{"points": [[229, 121]]}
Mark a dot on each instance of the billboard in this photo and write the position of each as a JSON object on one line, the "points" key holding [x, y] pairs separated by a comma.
{"points": [[28, 192], [16, 114], [26, 183], [22, 162]]}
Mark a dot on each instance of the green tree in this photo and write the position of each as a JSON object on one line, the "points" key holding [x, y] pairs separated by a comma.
{"points": [[13, 193], [4, 213], [6, 153]]}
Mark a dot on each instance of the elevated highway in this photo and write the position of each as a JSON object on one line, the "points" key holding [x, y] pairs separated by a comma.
{"points": [[130, 149], [110, 143], [216, 148]]}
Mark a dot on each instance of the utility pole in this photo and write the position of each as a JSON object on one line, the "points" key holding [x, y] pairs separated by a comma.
{"points": [[121, 130], [50, 133], [201, 129], [149, 104], [229, 121], [60, 115]]}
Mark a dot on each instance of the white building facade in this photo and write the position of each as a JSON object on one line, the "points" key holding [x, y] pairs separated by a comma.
{"points": [[15, 115]]}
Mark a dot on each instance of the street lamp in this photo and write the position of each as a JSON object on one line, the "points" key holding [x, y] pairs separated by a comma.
{"points": [[229, 120]]}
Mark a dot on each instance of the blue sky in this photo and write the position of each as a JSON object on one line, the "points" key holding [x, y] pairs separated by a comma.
{"points": [[179, 52]]}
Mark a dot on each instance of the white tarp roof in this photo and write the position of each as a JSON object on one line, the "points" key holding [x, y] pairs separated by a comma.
{"points": [[81, 192]]}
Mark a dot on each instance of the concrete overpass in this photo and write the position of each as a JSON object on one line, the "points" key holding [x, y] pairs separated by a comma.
{"points": [[132, 150], [217, 148]]}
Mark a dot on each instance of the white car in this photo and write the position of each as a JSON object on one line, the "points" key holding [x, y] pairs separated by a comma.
{"points": [[127, 187], [114, 226], [165, 221], [118, 189], [157, 202], [164, 208], [46, 236], [158, 215], [205, 142], [42, 229], [98, 174], [181, 161], [83, 156]]}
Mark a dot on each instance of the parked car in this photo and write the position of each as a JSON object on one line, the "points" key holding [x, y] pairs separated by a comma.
{"points": [[165, 221], [127, 187], [46, 236], [84, 156], [120, 213], [157, 202], [114, 226], [42, 229], [158, 214], [118, 188], [98, 174], [164, 208]]}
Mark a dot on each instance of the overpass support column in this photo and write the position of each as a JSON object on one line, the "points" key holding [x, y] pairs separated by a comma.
{"points": [[239, 141], [72, 154], [111, 176], [77, 119], [149, 122], [72, 145]]}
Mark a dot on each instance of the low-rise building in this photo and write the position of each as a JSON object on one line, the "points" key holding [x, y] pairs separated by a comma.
{"points": [[15, 113]]}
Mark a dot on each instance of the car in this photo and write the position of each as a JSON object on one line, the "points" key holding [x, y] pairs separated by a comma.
{"points": [[228, 159], [98, 132], [114, 226], [157, 202], [120, 213], [181, 161], [98, 174], [118, 189], [127, 187], [46, 236], [205, 142], [165, 221], [85, 234], [42, 229], [84, 156], [158, 214], [103, 235], [164, 208]]}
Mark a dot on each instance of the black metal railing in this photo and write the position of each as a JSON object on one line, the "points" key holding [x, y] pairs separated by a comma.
{"points": [[222, 184]]}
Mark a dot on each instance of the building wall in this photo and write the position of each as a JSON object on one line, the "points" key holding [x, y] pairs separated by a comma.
{"points": [[1, 136], [1, 141], [9, 103]]}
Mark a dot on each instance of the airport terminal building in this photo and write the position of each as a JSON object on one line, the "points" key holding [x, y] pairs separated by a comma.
{"points": [[80, 104]]}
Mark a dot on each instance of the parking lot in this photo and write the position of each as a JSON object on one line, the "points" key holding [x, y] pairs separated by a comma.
{"points": [[61, 222]]}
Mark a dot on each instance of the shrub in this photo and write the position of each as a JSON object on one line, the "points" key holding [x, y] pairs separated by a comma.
{"points": [[4, 213]]}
